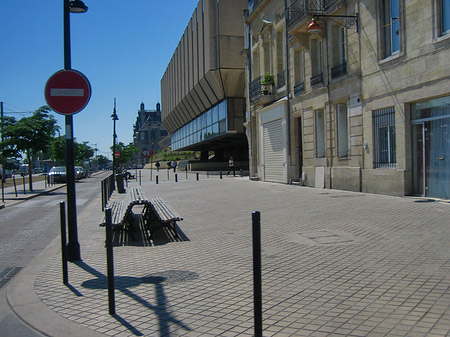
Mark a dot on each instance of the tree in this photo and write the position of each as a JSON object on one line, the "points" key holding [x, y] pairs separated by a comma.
{"points": [[31, 135], [83, 152], [8, 151], [126, 152]]}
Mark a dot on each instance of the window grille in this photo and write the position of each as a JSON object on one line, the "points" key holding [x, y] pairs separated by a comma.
{"points": [[384, 134]]}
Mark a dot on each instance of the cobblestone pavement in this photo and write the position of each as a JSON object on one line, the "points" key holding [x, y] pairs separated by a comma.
{"points": [[335, 263]]}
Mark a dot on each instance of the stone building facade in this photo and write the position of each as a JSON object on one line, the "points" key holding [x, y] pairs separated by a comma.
{"points": [[362, 105], [148, 133]]}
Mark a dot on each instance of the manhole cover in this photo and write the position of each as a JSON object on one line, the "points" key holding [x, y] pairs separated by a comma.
{"points": [[325, 237]]}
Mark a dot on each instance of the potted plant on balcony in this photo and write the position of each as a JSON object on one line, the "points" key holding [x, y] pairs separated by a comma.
{"points": [[267, 83]]}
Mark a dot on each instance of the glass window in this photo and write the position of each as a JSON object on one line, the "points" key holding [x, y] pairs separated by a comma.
{"points": [[223, 110], [342, 125], [384, 135], [215, 129], [391, 27], [215, 114], [320, 134], [445, 17]]}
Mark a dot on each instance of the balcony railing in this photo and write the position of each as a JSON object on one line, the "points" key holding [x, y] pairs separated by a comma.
{"points": [[302, 8], [255, 88], [281, 79], [339, 70], [316, 79], [261, 93], [299, 88]]}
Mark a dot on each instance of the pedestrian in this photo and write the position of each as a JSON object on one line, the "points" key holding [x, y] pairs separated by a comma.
{"points": [[157, 165], [174, 166], [231, 166]]}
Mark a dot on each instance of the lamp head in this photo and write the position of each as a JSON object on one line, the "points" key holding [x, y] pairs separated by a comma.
{"points": [[314, 27], [77, 6]]}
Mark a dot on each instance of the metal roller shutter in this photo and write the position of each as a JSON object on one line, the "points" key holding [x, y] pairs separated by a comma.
{"points": [[273, 151]]}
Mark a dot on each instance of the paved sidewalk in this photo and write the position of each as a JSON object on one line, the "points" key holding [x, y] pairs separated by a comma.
{"points": [[11, 195], [335, 263]]}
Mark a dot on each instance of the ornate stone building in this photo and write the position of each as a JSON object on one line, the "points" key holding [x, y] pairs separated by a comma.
{"points": [[148, 132], [356, 99]]}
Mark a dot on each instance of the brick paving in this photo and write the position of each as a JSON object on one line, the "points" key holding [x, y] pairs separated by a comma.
{"points": [[335, 263]]}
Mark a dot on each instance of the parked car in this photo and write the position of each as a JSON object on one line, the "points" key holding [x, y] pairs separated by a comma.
{"points": [[7, 174], [57, 174], [80, 172]]}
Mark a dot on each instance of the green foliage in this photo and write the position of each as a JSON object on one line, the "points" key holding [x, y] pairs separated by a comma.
{"points": [[126, 152], [268, 79], [30, 135], [166, 154], [81, 151]]}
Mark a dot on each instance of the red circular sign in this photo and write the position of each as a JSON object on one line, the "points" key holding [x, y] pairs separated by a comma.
{"points": [[67, 92], [117, 154]]}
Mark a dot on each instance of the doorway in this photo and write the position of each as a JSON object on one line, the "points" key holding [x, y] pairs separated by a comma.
{"points": [[431, 157]]}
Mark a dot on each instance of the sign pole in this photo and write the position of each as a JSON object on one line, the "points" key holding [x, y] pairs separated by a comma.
{"points": [[73, 247]]}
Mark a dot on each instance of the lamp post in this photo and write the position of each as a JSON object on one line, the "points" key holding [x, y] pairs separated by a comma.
{"points": [[114, 118], [73, 247]]}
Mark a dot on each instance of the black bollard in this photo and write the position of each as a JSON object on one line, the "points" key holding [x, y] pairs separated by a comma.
{"points": [[62, 212], [15, 186], [110, 262], [220, 174], [257, 282], [197, 176], [157, 180], [176, 177]]}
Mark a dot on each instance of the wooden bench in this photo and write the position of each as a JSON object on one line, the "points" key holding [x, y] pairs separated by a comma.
{"points": [[158, 213], [121, 211]]}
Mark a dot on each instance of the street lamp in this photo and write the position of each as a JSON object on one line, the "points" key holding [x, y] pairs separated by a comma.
{"points": [[114, 118], [352, 20], [73, 247]]}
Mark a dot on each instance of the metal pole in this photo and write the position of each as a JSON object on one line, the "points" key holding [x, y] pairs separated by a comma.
{"points": [[73, 246], [115, 118], [110, 262], [62, 212], [157, 180], [15, 186], [257, 282]]}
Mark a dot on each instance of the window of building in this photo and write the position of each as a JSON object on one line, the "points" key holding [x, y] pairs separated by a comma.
{"points": [[339, 66], [316, 62], [444, 16], [210, 124], [255, 64], [299, 86], [267, 57], [384, 136], [342, 128], [281, 78], [390, 27], [320, 134]]}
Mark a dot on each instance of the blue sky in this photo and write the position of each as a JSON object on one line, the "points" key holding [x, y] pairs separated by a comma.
{"points": [[122, 47]]}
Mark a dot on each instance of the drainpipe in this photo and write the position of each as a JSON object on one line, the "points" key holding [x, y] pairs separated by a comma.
{"points": [[250, 122], [288, 88], [329, 103]]}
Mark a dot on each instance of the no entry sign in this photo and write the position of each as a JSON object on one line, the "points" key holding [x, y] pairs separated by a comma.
{"points": [[117, 154], [67, 92]]}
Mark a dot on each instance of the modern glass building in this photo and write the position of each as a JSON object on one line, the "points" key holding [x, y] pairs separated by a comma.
{"points": [[203, 87]]}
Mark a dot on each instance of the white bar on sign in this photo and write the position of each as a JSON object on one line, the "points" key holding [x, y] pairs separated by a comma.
{"points": [[67, 92]]}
